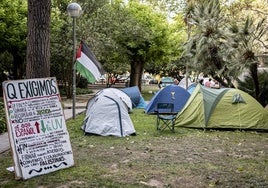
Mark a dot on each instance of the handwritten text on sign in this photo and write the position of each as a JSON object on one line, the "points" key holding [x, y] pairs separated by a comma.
{"points": [[40, 139]]}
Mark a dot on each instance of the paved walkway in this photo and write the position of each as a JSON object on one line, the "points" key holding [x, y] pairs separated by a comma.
{"points": [[4, 142], [68, 114]]}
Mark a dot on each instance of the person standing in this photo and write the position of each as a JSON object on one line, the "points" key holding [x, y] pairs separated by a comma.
{"points": [[208, 83], [176, 81]]}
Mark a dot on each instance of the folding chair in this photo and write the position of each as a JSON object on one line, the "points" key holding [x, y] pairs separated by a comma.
{"points": [[165, 116]]}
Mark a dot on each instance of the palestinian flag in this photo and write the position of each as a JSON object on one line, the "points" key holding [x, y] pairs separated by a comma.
{"points": [[87, 64]]}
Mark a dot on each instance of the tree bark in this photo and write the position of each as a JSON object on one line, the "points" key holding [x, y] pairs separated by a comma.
{"points": [[136, 74], [38, 39], [254, 74]]}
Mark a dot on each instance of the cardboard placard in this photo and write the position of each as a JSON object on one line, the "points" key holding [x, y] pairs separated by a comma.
{"points": [[37, 130]]}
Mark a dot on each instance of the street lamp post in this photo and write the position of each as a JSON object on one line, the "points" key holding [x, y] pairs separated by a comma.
{"points": [[74, 10]]}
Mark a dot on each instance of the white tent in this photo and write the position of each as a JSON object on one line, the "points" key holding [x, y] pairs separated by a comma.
{"points": [[107, 114], [113, 91]]}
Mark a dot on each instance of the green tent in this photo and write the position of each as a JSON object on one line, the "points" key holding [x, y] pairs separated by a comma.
{"points": [[227, 108]]}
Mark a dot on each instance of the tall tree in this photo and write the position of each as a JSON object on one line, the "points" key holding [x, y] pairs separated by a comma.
{"points": [[248, 38], [129, 36], [103, 29], [38, 39], [250, 34], [207, 48], [148, 42]]}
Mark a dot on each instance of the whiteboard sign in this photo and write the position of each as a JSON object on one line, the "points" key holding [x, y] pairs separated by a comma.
{"points": [[37, 130]]}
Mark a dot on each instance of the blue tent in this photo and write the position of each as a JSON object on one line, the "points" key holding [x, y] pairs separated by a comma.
{"points": [[170, 94], [191, 88], [135, 96]]}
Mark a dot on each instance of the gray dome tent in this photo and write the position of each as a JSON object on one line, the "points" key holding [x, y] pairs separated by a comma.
{"points": [[107, 114]]}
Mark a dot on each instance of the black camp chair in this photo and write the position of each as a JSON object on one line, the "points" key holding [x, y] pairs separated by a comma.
{"points": [[166, 116]]}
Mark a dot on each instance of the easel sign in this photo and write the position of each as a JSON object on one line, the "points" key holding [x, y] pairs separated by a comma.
{"points": [[37, 130]]}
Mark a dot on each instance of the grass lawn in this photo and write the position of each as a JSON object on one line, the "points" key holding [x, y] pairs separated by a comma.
{"points": [[186, 158]]}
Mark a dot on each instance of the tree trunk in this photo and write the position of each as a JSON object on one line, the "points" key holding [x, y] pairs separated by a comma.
{"points": [[136, 74], [38, 39], [254, 74]]}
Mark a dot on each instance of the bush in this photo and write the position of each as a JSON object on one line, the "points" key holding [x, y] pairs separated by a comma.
{"points": [[83, 83], [82, 91]]}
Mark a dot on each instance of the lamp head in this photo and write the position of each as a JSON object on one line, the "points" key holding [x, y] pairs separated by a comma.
{"points": [[74, 10]]}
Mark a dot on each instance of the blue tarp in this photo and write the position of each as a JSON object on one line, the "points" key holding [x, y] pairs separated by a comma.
{"points": [[170, 94]]}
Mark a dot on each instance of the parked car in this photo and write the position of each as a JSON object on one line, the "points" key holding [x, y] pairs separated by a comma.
{"points": [[122, 79], [153, 81], [165, 81], [149, 79]]}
